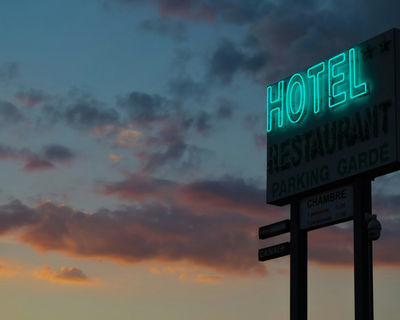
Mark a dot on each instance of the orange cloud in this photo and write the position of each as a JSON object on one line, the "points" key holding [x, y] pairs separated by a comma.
{"points": [[138, 234], [128, 138], [70, 275], [207, 278], [209, 196], [125, 137], [200, 278], [115, 157], [10, 268]]}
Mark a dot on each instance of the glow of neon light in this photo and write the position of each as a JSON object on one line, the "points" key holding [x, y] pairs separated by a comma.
{"points": [[356, 90], [314, 73], [336, 96], [278, 108], [296, 80]]}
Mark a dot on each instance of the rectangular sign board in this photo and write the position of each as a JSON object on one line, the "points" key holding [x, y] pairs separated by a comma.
{"points": [[335, 120], [326, 208], [274, 229], [277, 251]]}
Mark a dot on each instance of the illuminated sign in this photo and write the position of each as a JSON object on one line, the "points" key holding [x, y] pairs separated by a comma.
{"points": [[334, 120], [287, 100]]}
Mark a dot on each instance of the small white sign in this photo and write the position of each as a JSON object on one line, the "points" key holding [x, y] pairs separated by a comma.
{"points": [[326, 208]]}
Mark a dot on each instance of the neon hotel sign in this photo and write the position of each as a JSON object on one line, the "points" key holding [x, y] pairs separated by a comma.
{"points": [[340, 78]]}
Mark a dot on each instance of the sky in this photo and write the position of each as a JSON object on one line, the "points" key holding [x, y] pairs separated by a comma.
{"points": [[133, 159]]}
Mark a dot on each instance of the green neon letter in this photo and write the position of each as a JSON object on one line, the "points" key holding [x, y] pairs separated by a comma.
{"points": [[279, 106], [294, 114], [314, 73], [356, 89], [336, 96]]}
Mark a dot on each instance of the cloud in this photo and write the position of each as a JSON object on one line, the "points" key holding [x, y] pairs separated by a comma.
{"points": [[144, 108], [165, 27], [230, 194], [115, 158], [56, 152], [78, 109], [225, 109], [207, 278], [209, 196], [140, 187], [129, 138], [161, 229], [10, 268], [15, 215], [70, 275], [228, 59], [187, 9], [31, 98], [167, 147], [37, 162], [9, 113], [184, 87], [228, 11], [135, 234], [203, 122], [87, 114]]}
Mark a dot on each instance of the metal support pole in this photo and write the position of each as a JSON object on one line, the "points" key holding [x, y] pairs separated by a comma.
{"points": [[298, 265], [363, 278]]}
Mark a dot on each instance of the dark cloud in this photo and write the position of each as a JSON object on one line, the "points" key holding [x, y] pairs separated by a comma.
{"points": [[167, 125], [31, 97], [229, 11], [139, 187], [284, 36], [187, 9], [172, 153], [225, 109], [228, 59], [165, 27], [203, 125], [9, 113], [238, 11], [78, 109], [296, 34], [186, 88], [171, 231], [144, 108], [86, 114], [56, 152], [211, 196], [34, 161], [138, 234], [15, 215]]}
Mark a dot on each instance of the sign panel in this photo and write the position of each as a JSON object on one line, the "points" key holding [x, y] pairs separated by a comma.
{"points": [[335, 120], [274, 229], [277, 251], [326, 208]]}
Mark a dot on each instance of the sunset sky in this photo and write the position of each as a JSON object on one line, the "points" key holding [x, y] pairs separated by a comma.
{"points": [[133, 151]]}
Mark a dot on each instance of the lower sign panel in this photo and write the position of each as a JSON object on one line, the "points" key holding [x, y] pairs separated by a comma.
{"points": [[326, 208], [280, 250]]}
